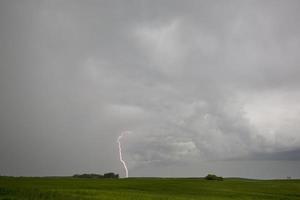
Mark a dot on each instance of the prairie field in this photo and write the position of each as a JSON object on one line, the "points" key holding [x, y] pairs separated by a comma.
{"points": [[66, 188]]}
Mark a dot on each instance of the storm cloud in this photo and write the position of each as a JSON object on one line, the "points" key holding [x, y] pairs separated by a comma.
{"points": [[198, 83]]}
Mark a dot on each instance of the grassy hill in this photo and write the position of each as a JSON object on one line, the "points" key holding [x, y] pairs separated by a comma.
{"points": [[149, 188]]}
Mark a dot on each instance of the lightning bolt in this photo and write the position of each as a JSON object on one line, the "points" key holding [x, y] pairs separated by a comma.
{"points": [[120, 153]]}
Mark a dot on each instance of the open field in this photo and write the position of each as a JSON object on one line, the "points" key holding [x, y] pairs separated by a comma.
{"points": [[146, 188]]}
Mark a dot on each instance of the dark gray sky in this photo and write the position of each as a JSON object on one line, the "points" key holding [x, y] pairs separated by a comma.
{"points": [[203, 86]]}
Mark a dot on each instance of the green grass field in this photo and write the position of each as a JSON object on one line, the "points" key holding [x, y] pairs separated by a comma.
{"points": [[146, 188]]}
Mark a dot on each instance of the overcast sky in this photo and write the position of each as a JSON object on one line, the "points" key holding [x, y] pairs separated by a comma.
{"points": [[203, 86]]}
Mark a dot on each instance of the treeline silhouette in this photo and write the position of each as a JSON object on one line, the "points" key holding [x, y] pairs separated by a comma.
{"points": [[106, 175], [213, 177]]}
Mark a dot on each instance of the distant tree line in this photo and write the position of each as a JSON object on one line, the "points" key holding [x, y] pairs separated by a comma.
{"points": [[214, 177], [106, 175]]}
